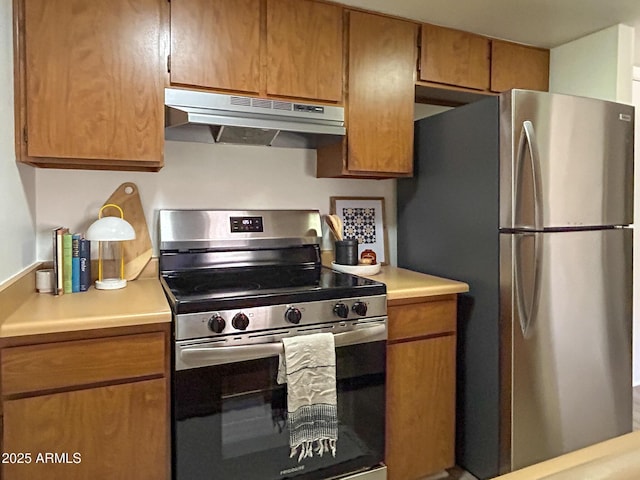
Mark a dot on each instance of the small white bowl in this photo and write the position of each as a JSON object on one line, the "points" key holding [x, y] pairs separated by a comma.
{"points": [[357, 269]]}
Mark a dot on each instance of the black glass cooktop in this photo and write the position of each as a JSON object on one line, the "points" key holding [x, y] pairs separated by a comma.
{"points": [[217, 289]]}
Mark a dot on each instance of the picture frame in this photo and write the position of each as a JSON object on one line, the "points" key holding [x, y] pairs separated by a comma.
{"points": [[364, 218]]}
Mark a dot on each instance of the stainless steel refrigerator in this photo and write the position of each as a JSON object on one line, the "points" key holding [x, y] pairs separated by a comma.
{"points": [[528, 198]]}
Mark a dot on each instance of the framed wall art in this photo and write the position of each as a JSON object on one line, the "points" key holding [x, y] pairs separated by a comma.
{"points": [[363, 218]]}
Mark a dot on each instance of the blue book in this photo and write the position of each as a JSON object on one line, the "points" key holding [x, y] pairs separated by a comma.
{"points": [[84, 251], [75, 262]]}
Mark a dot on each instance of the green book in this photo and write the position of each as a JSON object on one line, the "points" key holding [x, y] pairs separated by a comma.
{"points": [[67, 269]]}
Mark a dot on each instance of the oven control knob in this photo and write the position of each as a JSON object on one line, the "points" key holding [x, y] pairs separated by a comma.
{"points": [[217, 324], [293, 315], [240, 321], [360, 308], [341, 310]]}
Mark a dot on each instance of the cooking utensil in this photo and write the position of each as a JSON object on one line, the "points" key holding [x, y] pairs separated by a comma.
{"points": [[334, 225], [338, 221], [137, 253]]}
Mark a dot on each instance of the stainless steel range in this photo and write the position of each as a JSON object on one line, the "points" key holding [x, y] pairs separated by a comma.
{"points": [[238, 283]]}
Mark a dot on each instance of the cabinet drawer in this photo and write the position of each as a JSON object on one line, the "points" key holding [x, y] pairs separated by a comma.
{"points": [[420, 319], [67, 364]]}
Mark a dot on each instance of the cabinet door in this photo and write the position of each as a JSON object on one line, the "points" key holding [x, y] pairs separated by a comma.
{"points": [[95, 73], [117, 431], [382, 61], [454, 57], [304, 49], [420, 412], [216, 44], [518, 66]]}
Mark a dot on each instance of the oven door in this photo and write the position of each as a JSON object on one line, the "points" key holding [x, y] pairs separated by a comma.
{"points": [[230, 419]]}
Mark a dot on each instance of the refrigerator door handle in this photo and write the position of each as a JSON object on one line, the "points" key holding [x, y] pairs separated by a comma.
{"points": [[527, 310], [529, 142]]}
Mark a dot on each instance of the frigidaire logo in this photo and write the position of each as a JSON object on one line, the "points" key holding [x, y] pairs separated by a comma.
{"points": [[291, 470]]}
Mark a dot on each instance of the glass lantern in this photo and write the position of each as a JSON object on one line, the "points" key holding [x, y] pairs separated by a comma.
{"points": [[110, 232]]}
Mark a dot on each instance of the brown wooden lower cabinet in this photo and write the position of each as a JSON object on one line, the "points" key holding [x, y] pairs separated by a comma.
{"points": [[420, 412], [106, 432], [107, 425]]}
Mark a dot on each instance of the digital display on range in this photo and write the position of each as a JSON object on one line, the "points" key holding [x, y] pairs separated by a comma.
{"points": [[246, 224]]}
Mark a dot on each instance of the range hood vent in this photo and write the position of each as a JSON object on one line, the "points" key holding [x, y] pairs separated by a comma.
{"points": [[195, 116]]}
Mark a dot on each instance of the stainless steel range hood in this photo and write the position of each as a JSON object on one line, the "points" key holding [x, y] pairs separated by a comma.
{"points": [[196, 116]]}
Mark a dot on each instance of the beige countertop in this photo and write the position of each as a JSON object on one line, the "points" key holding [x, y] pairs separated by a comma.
{"points": [[615, 459], [405, 284], [141, 302]]}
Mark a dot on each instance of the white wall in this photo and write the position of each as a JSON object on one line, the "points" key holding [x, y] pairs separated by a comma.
{"points": [[17, 182], [199, 175], [598, 65]]}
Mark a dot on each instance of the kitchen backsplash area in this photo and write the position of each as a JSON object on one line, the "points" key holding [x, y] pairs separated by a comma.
{"points": [[199, 175]]}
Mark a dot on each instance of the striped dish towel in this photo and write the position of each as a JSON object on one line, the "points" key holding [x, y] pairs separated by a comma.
{"points": [[308, 367]]}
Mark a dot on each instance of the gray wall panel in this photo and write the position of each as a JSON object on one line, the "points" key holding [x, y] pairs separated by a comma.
{"points": [[448, 218]]}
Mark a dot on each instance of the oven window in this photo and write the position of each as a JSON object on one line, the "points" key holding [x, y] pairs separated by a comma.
{"points": [[230, 420]]}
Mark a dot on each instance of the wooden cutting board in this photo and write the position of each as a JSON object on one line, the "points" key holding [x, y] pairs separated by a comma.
{"points": [[137, 252]]}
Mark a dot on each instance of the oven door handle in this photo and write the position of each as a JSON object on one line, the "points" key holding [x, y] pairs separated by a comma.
{"points": [[200, 356]]}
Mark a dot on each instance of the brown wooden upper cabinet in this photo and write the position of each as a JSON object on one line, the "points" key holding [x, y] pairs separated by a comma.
{"points": [[216, 44], [454, 57], [456, 62], [286, 48], [382, 56], [518, 66], [90, 78], [304, 49]]}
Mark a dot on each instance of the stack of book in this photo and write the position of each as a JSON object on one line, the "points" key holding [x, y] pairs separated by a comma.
{"points": [[71, 262]]}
